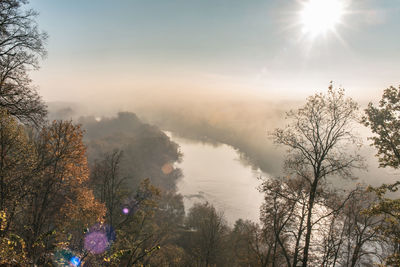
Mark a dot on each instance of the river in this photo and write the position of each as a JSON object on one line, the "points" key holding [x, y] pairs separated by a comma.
{"points": [[215, 174]]}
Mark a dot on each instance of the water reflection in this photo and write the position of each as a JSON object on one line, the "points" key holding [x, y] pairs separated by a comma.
{"points": [[215, 174]]}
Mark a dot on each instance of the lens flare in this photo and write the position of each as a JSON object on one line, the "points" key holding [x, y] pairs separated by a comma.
{"points": [[75, 261], [167, 168], [125, 210], [129, 205], [99, 238], [96, 242], [65, 257]]}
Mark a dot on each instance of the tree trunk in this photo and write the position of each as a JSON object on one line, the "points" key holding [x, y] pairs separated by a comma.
{"points": [[311, 201]]}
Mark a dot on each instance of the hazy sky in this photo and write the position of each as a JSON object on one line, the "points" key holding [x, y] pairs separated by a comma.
{"points": [[98, 50]]}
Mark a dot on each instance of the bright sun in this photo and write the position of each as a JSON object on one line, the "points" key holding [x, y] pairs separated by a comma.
{"points": [[321, 16]]}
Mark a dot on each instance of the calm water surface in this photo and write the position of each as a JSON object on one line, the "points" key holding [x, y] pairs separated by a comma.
{"points": [[215, 174]]}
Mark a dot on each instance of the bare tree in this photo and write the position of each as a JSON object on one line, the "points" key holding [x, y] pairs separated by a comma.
{"points": [[21, 44], [318, 137], [350, 236], [283, 214], [109, 185]]}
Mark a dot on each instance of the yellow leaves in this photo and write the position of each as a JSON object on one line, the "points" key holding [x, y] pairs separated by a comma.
{"points": [[50, 165], [80, 211], [12, 249], [115, 257], [65, 144], [3, 220]]}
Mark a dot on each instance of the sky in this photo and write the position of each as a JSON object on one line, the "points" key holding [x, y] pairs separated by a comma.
{"points": [[110, 51]]}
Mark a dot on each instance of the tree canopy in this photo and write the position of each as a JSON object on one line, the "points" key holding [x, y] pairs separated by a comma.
{"points": [[384, 122], [319, 138], [21, 45]]}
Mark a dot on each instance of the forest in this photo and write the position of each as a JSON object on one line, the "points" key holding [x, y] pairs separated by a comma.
{"points": [[103, 192]]}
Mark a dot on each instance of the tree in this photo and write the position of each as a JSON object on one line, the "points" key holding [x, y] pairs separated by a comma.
{"points": [[143, 219], [251, 247], [384, 122], [129, 213], [59, 201], [283, 215], [16, 156], [205, 241], [15, 169], [169, 217], [45, 200], [12, 246], [318, 137], [138, 237], [21, 44], [357, 236], [148, 152], [109, 186]]}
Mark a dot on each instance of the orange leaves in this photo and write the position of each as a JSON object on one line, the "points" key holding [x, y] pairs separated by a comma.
{"points": [[67, 167], [44, 177], [63, 152], [81, 211]]}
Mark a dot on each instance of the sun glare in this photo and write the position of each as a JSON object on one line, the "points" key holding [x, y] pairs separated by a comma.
{"points": [[318, 17]]}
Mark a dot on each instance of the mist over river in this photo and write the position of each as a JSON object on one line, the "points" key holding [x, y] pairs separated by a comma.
{"points": [[214, 173]]}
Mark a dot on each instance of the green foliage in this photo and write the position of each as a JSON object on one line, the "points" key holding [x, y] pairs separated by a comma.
{"points": [[389, 209], [384, 122]]}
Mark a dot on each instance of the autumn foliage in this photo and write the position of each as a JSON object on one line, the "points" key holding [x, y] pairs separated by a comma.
{"points": [[45, 196]]}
